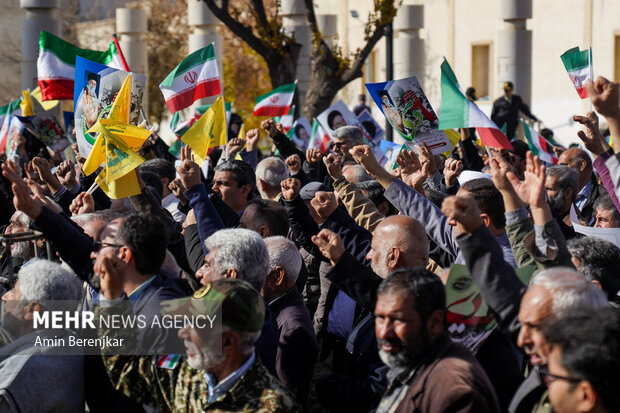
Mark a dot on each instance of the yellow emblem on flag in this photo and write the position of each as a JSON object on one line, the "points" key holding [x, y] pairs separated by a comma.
{"points": [[207, 132]]}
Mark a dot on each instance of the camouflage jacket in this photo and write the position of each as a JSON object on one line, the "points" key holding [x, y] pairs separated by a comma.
{"points": [[184, 389]]}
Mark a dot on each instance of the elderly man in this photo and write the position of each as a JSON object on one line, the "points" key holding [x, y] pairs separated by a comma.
{"points": [[428, 372], [588, 188], [345, 138], [597, 260], [605, 213], [550, 294], [582, 375], [232, 380], [21, 251], [234, 181], [269, 173], [562, 185], [242, 254], [297, 348], [29, 375]]}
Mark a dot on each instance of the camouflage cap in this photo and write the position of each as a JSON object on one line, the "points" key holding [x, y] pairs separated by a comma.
{"points": [[242, 307]]}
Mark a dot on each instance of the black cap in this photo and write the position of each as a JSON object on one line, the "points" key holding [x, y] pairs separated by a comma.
{"points": [[308, 191], [508, 86]]}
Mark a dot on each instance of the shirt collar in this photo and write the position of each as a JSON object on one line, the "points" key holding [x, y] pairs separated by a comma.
{"points": [[216, 390]]}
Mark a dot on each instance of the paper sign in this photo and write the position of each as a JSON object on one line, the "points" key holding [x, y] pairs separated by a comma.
{"points": [[409, 112], [375, 132], [96, 86], [301, 131]]}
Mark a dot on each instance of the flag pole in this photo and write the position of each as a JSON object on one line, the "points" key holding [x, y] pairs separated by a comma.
{"points": [[126, 68], [591, 70], [226, 154]]}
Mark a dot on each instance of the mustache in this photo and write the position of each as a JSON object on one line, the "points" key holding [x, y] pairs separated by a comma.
{"points": [[394, 342]]}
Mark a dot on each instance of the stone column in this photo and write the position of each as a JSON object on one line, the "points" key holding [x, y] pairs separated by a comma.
{"points": [[408, 46], [203, 29], [514, 48], [131, 24], [294, 21], [40, 15], [328, 25]]}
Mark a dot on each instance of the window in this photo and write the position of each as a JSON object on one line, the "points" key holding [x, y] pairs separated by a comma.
{"points": [[480, 69]]}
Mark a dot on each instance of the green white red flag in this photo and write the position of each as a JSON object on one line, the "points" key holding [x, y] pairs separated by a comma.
{"points": [[56, 65], [319, 138], [578, 64], [7, 115], [459, 112], [196, 77], [539, 145], [277, 102]]}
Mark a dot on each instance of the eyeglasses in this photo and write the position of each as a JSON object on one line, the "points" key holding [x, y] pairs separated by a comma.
{"points": [[98, 245], [339, 144], [548, 378]]}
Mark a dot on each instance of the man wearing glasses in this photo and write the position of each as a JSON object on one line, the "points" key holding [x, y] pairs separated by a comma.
{"points": [[582, 375]]}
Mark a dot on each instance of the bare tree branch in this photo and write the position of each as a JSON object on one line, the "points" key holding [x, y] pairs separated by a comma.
{"points": [[356, 67], [260, 12], [237, 28]]}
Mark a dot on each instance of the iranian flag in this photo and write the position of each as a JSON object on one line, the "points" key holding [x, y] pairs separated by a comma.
{"points": [[7, 114], [56, 65], [318, 138], [459, 112], [578, 64], [196, 77], [539, 145], [277, 102]]}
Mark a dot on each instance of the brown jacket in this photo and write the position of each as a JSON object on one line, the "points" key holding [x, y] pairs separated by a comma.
{"points": [[449, 379]]}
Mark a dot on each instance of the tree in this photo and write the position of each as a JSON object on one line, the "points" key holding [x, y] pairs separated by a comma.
{"points": [[332, 70]]}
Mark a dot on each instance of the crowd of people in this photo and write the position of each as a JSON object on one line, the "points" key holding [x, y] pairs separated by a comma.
{"points": [[331, 274]]}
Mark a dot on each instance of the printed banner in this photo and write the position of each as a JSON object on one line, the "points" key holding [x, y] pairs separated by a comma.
{"points": [[337, 116], [96, 86], [409, 112]]}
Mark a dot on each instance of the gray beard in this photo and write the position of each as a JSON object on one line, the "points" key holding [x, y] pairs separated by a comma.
{"points": [[21, 249]]}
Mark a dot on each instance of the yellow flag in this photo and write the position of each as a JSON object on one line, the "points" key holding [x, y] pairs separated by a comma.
{"points": [[119, 112], [133, 136], [122, 103], [121, 188], [241, 135], [207, 132], [45, 104], [96, 156], [26, 104], [120, 160], [454, 137]]}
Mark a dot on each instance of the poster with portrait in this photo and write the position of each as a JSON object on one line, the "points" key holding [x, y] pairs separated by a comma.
{"points": [[409, 112], [469, 320], [337, 116], [375, 132], [95, 88], [300, 133], [50, 132]]}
